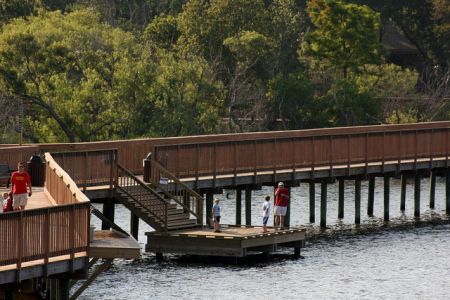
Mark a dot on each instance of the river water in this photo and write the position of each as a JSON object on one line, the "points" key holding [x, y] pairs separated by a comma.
{"points": [[407, 259]]}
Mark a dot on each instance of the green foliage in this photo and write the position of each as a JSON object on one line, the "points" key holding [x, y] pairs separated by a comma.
{"points": [[346, 105], [388, 80], [345, 36], [66, 67], [162, 32], [182, 99], [290, 99]]}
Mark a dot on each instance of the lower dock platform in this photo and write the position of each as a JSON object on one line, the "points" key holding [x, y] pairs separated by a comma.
{"points": [[232, 241]]}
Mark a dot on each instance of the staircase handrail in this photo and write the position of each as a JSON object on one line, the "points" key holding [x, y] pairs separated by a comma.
{"points": [[155, 168], [143, 185]]}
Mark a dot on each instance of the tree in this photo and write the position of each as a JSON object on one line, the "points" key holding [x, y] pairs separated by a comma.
{"points": [[345, 36], [346, 105], [67, 69], [291, 100]]}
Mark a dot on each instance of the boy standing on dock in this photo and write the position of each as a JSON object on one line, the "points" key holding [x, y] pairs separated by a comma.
{"points": [[216, 215], [280, 208], [266, 212]]}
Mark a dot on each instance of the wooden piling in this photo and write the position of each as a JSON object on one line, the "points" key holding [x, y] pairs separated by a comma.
{"points": [[357, 201], [447, 192], [403, 179], [312, 202], [134, 225], [64, 288], [341, 198], [416, 195], [323, 204], [209, 205], [371, 196], [248, 206], [238, 206], [432, 188], [386, 197], [108, 212]]}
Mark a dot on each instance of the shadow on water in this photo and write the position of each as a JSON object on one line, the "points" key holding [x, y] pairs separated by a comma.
{"points": [[315, 235]]}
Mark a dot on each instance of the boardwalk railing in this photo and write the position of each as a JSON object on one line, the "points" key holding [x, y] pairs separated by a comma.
{"points": [[15, 154], [40, 234], [138, 191], [89, 168], [169, 184], [309, 150]]}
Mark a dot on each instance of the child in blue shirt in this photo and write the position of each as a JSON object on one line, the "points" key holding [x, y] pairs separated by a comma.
{"points": [[216, 215]]}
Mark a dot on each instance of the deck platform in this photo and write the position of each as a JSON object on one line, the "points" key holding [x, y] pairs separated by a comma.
{"points": [[113, 244], [234, 241]]}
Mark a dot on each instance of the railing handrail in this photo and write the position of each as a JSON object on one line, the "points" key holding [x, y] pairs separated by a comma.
{"points": [[175, 180], [12, 217], [172, 177], [71, 185], [308, 134], [143, 185]]}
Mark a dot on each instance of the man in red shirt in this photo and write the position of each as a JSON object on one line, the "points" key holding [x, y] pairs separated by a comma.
{"points": [[280, 208], [19, 182]]}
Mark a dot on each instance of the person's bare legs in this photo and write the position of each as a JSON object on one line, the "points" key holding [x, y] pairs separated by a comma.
{"points": [[281, 222]]}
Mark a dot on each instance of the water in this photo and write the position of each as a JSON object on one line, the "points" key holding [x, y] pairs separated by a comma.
{"points": [[405, 260]]}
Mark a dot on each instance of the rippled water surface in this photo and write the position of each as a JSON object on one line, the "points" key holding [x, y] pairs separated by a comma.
{"points": [[405, 260]]}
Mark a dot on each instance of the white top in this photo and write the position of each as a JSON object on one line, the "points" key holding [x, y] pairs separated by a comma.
{"points": [[266, 208]]}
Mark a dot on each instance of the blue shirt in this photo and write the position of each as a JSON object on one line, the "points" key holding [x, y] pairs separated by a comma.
{"points": [[216, 210]]}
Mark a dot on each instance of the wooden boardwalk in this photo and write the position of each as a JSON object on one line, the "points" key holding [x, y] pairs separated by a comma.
{"points": [[235, 241]]}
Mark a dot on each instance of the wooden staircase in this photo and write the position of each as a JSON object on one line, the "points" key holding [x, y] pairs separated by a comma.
{"points": [[155, 207]]}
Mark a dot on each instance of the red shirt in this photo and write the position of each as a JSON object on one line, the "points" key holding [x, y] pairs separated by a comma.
{"points": [[281, 197], [8, 205], [19, 182]]}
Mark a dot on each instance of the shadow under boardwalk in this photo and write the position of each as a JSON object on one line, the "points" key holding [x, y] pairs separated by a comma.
{"points": [[235, 241]]}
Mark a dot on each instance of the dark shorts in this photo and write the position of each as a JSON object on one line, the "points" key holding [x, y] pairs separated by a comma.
{"points": [[217, 219], [265, 219]]}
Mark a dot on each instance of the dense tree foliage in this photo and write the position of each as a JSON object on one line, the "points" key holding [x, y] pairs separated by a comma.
{"points": [[85, 70]]}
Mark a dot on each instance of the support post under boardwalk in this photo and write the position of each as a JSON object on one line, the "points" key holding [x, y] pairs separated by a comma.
{"points": [[238, 206], [108, 212], [371, 196], [287, 218], [209, 205], [416, 195], [312, 202], [64, 288], [341, 198], [447, 192], [403, 179], [386, 197], [357, 201], [248, 206], [432, 188], [323, 204], [134, 225]]}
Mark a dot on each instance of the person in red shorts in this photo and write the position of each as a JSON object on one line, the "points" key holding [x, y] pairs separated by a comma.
{"points": [[19, 182], [280, 208]]}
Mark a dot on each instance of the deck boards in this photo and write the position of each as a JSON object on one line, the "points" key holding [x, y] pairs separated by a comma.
{"points": [[111, 244], [37, 200]]}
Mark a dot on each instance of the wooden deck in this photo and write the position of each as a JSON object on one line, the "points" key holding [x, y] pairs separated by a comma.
{"points": [[237, 241], [38, 199], [113, 244]]}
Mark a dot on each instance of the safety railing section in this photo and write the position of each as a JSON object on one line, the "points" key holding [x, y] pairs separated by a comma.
{"points": [[60, 187], [14, 154], [39, 234], [169, 184], [312, 150], [89, 168], [139, 192]]}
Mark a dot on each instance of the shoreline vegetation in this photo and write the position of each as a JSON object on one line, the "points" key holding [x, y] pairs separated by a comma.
{"points": [[90, 70]]}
